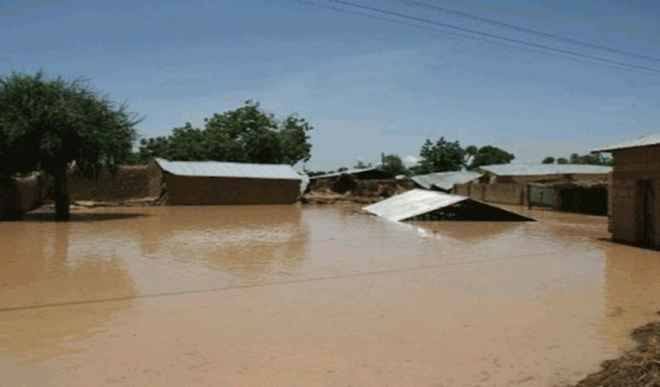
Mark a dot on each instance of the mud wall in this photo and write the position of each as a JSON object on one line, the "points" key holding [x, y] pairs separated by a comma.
{"points": [[128, 182], [631, 167], [20, 195], [501, 193], [600, 177], [185, 190]]}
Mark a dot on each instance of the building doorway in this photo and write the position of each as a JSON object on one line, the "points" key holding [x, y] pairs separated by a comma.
{"points": [[646, 222]]}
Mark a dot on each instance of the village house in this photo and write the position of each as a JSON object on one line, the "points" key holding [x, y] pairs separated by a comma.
{"points": [[212, 183], [635, 191], [566, 187]]}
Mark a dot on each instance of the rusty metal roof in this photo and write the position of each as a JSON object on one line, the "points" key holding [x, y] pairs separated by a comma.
{"points": [[229, 169], [413, 203], [545, 169], [651, 140], [445, 180]]}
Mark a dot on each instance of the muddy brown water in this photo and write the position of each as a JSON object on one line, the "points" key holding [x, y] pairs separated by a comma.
{"points": [[290, 296]]}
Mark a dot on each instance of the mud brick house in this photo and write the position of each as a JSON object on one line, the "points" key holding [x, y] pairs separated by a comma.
{"points": [[635, 191], [213, 183], [546, 185]]}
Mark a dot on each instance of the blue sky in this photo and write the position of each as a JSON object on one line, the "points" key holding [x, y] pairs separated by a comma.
{"points": [[368, 86]]}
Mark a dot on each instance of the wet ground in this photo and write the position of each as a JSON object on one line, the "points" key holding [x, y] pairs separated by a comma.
{"points": [[228, 296]]}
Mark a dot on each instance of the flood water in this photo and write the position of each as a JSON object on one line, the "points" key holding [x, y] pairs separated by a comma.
{"points": [[291, 296]]}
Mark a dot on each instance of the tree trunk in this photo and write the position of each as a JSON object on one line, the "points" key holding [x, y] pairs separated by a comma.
{"points": [[62, 201]]}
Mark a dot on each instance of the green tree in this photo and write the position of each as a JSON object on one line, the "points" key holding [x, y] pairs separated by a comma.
{"points": [[488, 155], [440, 156], [49, 124], [562, 160], [549, 160], [246, 134], [591, 159], [394, 165]]}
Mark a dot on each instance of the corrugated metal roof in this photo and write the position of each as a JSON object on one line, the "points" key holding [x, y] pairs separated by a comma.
{"points": [[346, 172], [651, 140], [445, 180], [227, 169], [413, 203], [544, 169]]}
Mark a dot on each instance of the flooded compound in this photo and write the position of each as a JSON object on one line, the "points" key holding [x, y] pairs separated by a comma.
{"points": [[291, 296]]}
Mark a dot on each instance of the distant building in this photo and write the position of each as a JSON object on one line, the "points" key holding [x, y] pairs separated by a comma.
{"points": [[635, 188], [566, 187], [526, 173], [212, 183], [444, 181], [371, 173]]}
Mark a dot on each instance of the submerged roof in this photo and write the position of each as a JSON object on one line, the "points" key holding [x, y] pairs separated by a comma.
{"points": [[228, 169], [413, 203], [651, 140], [545, 169], [445, 180]]}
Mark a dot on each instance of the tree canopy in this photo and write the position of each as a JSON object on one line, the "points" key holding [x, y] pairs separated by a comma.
{"points": [[575, 158], [246, 134], [444, 155], [488, 155], [49, 123], [393, 165], [440, 156]]}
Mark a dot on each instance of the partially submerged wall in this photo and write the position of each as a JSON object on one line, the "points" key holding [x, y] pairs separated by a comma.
{"points": [[501, 193], [633, 166], [186, 190], [128, 182], [20, 195]]}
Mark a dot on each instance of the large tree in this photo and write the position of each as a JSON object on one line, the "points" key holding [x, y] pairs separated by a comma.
{"points": [[246, 134], [49, 124], [488, 155], [393, 165], [440, 156]]}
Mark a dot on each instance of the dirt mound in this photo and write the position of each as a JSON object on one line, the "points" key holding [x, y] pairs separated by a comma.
{"points": [[639, 367]]}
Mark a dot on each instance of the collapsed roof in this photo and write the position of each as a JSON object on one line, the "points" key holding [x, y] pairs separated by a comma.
{"points": [[445, 181], [419, 204]]}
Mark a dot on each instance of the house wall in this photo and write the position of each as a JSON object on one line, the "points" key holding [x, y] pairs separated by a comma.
{"points": [[186, 190], [631, 166], [20, 195], [128, 182], [501, 193]]}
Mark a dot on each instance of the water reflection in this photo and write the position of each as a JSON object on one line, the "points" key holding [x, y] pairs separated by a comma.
{"points": [[244, 241], [632, 290], [46, 270]]}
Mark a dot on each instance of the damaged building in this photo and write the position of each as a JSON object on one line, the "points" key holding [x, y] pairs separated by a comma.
{"points": [[635, 188], [216, 183], [445, 181], [423, 205]]}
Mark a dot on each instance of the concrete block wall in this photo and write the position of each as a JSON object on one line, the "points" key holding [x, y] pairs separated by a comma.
{"points": [[631, 166]]}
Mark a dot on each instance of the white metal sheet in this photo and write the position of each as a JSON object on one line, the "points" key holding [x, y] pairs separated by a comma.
{"points": [[413, 203], [229, 169]]}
